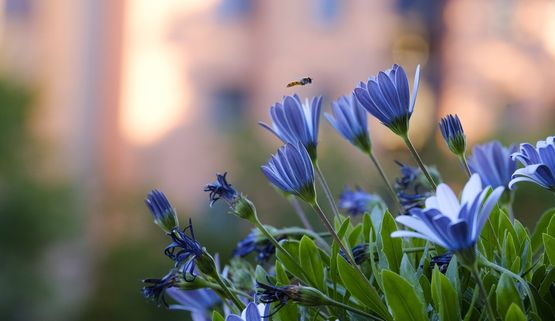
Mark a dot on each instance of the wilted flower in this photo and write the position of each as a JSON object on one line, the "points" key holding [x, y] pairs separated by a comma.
{"points": [[412, 187], [252, 312], [453, 134], [539, 164], [199, 302], [184, 250], [291, 171], [387, 97], [351, 121], [493, 163], [221, 189], [163, 212], [155, 289], [360, 253], [293, 122], [307, 296], [255, 242], [357, 201], [450, 223], [441, 261]]}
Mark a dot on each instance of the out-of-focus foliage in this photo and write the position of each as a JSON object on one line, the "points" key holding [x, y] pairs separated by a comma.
{"points": [[34, 213]]}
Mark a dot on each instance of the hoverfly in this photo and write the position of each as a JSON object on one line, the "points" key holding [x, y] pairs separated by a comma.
{"points": [[302, 82]]}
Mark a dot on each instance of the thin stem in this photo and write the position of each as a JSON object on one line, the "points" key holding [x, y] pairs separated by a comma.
{"points": [[300, 213], [228, 292], [476, 274], [347, 252], [326, 189], [302, 231], [235, 291], [419, 160], [271, 238], [353, 309], [517, 277], [465, 165], [384, 178]]}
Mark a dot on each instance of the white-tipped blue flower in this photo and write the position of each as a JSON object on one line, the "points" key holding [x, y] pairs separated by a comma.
{"points": [[539, 164], [450, 223], [253, 312], [351, 121], [293, 122], [291, 171], [199, 302], [163, 212]]}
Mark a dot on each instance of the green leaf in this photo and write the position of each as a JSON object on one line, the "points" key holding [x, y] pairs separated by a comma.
{"points": [[547, 282], [506, 294], [216, 316], [281, 275], [260, 274], [541, 227], [360, 288], [452, 274], [292, 247], [444, 295], [514, 313], [311, 261], [402, 299], [549, 245], [550, 230], [367, 226], [509, 254], [391, 247], [354, 236]]}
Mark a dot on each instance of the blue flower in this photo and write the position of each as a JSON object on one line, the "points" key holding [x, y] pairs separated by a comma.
{"points": [[291, 171], [453, 134], [293, 121], [441, 261], [163, 212], [255, 242], [450, 223], [539, 164], [199, 302], [386, 97], [357, 201], [252, 312], [493, 163], [221, 189], [156, 289], [360, 253], [184, 250], [351, 121]]}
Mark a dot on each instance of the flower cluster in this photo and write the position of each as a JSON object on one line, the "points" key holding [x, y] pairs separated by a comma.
{"points": [[370, 258]]}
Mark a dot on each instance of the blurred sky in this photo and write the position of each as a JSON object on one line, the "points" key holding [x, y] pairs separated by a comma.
{"points": [[136, 94]]}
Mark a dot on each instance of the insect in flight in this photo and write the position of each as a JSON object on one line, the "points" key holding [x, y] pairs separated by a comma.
{"points": [[302, 82]]}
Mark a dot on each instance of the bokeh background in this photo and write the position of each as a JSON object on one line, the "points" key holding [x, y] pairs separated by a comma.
{"points": [[102, 100]]}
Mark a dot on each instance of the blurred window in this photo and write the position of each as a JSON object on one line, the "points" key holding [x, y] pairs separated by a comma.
{"points": [[327, 11], [235, 8], [18, 9], [230, 106]]}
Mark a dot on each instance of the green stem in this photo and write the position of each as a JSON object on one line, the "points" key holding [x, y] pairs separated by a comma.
{"points": [[235, 291], [419, 160], [347, 252], [302, 231], [326, 189], [228, 292], [270, 237], [300, 213], [353, 309], [517, 277], [465, 165], [384, 178], [476, 274]]}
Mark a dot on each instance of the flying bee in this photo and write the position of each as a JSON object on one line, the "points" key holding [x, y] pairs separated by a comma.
{"points": [[302, 82]]}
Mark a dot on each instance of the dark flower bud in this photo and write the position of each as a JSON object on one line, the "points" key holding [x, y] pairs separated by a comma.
{"points": [[453, 134], [163, 212]]}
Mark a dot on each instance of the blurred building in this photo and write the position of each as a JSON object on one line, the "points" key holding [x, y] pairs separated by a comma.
{"points": [[139, 94]]}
